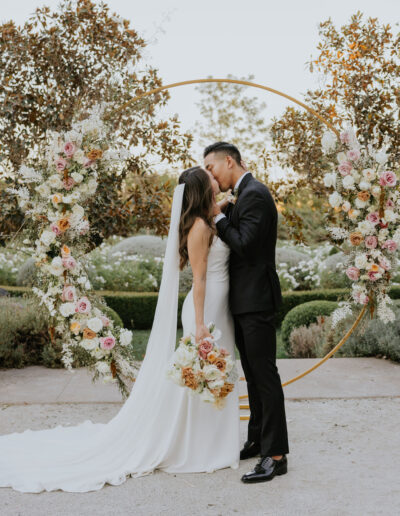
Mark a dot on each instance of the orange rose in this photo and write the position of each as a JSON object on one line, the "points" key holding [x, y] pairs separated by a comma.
{"points": [[63, 224], [65, 251], [356, 238], [75, 327], [88, 333], [95, 154], [189, 378], [363, 196], [226, 389], [374, 267], [212, 356], [220, 363]]}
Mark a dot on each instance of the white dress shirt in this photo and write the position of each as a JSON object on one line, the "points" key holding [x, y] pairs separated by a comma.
{"points": [[236, 188]]}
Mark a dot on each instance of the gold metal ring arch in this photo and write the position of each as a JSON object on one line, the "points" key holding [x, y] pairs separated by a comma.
{"points": [[317, 115]]}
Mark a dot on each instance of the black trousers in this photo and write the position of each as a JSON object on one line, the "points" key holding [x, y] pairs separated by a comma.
{"points": [[255, 335]]}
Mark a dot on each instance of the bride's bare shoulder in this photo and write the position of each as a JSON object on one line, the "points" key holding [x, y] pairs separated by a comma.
{"points": [[199, 230]]}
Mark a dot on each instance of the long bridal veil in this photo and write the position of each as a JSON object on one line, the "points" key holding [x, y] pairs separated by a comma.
{"points": [[85, 457]]}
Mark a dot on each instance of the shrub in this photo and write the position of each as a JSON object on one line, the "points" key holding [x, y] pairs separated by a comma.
{"points": [[374, 338], [27, 273], [305, 341], [304, 315], [24, 338]]}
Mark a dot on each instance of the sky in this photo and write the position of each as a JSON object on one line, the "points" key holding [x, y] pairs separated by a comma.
{"points": [[191, 39]]}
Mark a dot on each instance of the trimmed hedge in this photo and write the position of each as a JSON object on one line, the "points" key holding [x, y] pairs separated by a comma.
{"points": [[137, 309], [304, 315]]}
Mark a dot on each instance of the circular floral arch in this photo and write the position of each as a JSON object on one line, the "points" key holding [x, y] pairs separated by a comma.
{"points": [[346, 139], [364, 195]]}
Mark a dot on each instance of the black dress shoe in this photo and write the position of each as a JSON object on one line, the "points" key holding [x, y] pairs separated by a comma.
{"points": [[266, 469], [250, 449]]}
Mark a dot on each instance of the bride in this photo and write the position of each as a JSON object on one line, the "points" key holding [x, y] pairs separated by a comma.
{"points": [[161, 425]]}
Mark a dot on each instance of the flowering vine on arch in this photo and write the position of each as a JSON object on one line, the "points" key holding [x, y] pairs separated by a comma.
{"points": [[365, 197], [53, 196]]}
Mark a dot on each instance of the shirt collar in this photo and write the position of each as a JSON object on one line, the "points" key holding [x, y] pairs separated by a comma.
{"points": [[236, 189]]}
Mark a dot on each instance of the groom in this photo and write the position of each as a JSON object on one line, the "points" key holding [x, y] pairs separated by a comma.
{"points": [[249, 228]]}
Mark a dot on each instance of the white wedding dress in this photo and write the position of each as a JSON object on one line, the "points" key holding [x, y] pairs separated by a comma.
{"points": [[160, 426]]}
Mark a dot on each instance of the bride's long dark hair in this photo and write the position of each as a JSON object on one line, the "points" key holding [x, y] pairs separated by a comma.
{"points": [[197, 202]]}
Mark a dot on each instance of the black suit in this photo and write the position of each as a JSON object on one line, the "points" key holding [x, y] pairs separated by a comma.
{"points": [[250, 230]]}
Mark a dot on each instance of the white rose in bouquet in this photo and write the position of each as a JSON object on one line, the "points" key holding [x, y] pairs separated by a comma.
{"points": [[43, 190], [184, 356], [125, 337], [330, 179], [95, 324], [55, 181], [103, 367], [67, 309], [211, 372], [348, 182], [89, 344], [56, 267], [77, 177], [335, 199], [216, 384], [47, 237]]}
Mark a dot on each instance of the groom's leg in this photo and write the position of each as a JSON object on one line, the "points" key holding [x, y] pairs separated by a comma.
{"points": [[259, 342], [255, 422]]}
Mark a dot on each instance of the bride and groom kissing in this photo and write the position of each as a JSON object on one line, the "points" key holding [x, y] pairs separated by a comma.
{"points": [[231, 249]]}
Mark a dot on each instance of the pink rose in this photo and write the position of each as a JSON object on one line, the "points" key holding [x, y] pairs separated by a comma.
{"points": [[371, 242], [105, 320], [88, 163], [388, 178], [69, 262], [107, 342], [55, 229], [223, 352], [385, 264], [83, 306], [373, 217], [372, 276], [364, 299], [69, 149], [345, 168], [68, 183], [390, 245], [354, 154], [389, 203], [84, 227], [61, 163], [346, 136], [204, 348], [68, 293], [353, 273]]}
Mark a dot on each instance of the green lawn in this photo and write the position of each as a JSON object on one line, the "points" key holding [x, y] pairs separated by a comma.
{"points": [[140, 338]]}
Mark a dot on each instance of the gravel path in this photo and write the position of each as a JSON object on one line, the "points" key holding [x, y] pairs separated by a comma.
{"points": [[344, 460]]}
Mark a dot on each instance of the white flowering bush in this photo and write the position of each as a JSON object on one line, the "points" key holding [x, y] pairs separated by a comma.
{"points": [[365, 198], [53, 195]]}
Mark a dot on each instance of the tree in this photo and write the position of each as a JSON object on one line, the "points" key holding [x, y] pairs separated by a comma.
{"points": [[232, 114], [61, 63], [360, 64]]}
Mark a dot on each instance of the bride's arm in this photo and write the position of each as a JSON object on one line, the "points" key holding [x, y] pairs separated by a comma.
{"points": [[198, 240]]}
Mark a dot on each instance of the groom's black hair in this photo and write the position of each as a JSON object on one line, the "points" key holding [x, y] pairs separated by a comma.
{"points": [[227, 148]]}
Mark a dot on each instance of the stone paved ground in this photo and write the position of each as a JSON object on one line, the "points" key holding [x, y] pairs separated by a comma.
{"points": [[344, 457]]}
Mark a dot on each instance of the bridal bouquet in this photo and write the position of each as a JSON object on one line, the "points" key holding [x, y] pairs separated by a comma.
{"points": [[204, 367]]}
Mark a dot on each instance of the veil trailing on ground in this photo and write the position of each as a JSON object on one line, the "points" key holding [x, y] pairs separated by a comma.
{"points": [[136, 441]]}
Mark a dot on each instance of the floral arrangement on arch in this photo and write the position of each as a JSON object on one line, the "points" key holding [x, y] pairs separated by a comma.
{"points": [[365, 197], [53, 197]]}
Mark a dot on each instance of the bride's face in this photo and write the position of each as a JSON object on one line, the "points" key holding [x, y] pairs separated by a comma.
{"points": [[214, 183]]}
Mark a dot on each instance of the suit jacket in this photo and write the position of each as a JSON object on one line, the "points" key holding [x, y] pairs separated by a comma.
{"points": [[250, 230]]}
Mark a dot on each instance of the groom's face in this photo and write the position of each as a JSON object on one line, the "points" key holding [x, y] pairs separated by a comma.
{"points": [[220, 167]]}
